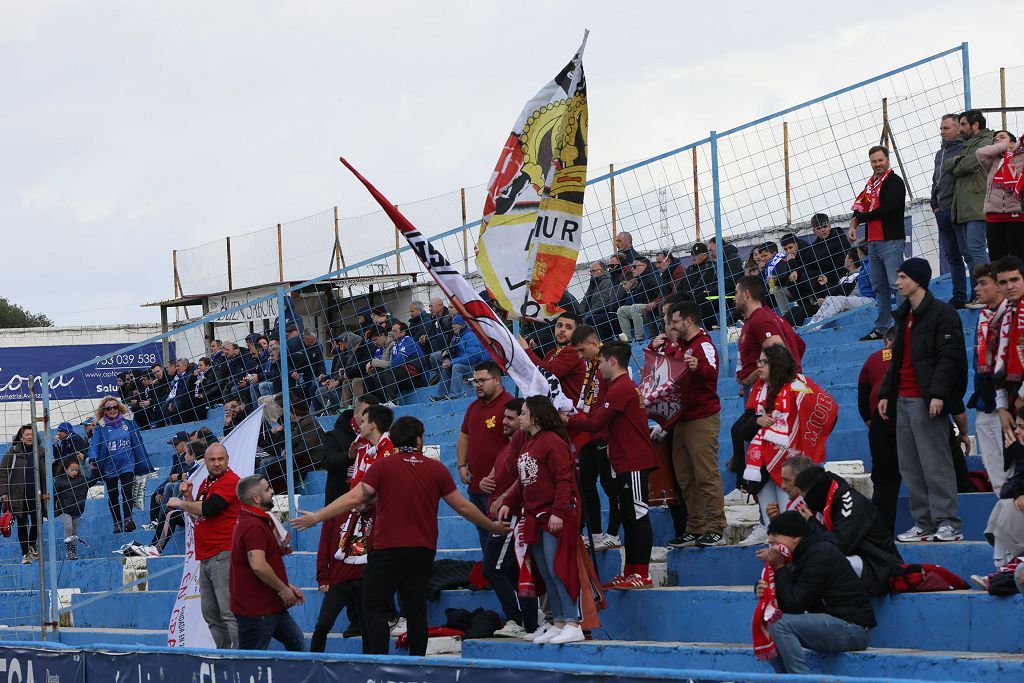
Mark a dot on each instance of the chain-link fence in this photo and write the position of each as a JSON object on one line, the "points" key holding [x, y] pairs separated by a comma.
{"points": [[684, 224]]}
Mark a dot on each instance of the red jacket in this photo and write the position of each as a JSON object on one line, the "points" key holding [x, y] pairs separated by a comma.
{"points": [[567, 365], [547, 478], [699, 386], [329, 570], [621, 410]]}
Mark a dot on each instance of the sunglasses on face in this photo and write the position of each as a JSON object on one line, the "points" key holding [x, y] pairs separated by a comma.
{"points": [[110, 408]]}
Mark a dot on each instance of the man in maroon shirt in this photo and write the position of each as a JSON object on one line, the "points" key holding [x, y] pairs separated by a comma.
{"points": [[695, 437], [632, 458], [885, 466], [480, 438], [406, 488], [260, 592], [563, 361], [215, 509], [761, 327]]}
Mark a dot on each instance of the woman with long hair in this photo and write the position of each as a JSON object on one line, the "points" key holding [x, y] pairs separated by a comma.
{"points": [[119, 453], [1003, 161], [781, 399], [18, 471], [547, 495]]}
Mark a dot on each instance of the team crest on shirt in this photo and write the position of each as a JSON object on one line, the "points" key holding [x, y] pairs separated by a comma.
{"points": [[886, 354], [527, 469], [491, 422]]}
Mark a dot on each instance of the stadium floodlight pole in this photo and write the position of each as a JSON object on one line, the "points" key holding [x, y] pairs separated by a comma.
{"points": [[286, 402], [723, 323], [966, 61], [51, 538]]}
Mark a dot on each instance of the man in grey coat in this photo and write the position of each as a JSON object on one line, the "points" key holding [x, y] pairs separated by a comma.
{"points": [[968, 207], [599, 302], [954, 247]]}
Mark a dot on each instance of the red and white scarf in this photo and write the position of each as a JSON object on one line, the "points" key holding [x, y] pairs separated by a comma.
{"points": [[527, 586], [1010, 358], [826, 513], [803, 415], [1006, 177], [986, 345], [869, 200], [767, 612]]}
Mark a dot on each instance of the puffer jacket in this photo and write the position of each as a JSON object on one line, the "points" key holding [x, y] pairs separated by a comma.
{"points": [[999, 199], [969, 194]]}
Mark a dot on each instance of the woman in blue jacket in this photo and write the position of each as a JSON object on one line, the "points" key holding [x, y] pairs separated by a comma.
{"points": [[119, 453], [464, 353]]}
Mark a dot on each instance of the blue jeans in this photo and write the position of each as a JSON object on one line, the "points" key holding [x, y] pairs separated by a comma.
{"points": [[884, 257], [563, 607], [818, 632], [951, 251], [255, 633], [265, 389], [973, 239], [454, 380], [171, 489]]}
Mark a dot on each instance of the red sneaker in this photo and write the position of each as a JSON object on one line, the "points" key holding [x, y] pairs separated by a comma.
{"points": [[613, 584], [631, 582]]}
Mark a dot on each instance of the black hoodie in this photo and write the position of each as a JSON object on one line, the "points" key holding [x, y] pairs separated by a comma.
{"points": [[820, 580], [336, 456]]}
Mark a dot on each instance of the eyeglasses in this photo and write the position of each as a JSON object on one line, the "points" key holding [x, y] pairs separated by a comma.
{"points": [[111, 408], [479, 382], [761, 362]]}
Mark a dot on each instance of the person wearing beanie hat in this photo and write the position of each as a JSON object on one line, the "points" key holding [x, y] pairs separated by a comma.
{"points": [[824, 607], [923, 386], [66, 443], [917, 269]]}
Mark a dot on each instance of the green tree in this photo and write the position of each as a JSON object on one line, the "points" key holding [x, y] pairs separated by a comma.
{"points": [[13, 315]]}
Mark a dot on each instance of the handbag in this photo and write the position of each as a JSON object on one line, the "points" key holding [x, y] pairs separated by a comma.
{"points": [[6, 521]]}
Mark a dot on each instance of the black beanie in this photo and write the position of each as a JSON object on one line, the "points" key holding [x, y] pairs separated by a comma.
{"points": [[789, 523], [917, 269]]}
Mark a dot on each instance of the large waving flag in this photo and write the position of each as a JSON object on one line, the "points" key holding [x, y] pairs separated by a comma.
{"points": [[532, 226], [489, 329]]}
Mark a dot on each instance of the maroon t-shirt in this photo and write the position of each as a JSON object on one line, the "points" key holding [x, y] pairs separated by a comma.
{"points": [[408, 486], [872, 373], [908, 386], [622, 412], [699, 387], [758, 326], [482, 424], [546, 476], [214, 534], [505, 473], [251, 597]]}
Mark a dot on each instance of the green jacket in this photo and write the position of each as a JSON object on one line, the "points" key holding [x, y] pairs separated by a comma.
{"points": [[971, 179]]}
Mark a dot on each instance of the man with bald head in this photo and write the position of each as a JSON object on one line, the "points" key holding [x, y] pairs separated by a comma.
{"points": [[215, 510], [624, 245]]}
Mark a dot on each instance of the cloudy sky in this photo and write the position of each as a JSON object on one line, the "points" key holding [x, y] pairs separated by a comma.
{"points": [[132, 128]]}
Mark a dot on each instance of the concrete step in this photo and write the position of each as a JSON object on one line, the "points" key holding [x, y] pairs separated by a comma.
{"points": [[906, 664]]}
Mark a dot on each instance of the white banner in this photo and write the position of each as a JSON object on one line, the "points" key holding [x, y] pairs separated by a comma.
{"points": [[187, 628], [492, 332], [264, 310]]}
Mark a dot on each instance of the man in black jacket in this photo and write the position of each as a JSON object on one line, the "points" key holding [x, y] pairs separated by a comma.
{"points": [[828, 250], [731, 262], [926, 381], [824, 607], [337, 458], [880, 206], [861, 532]]}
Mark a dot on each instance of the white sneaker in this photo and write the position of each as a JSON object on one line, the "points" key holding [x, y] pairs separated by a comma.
{"points": [[511, 630], [606, 542], [914, 534], [548, 634], [400, 627], [980, 581], [623, 337], [947, 533], [540, 630], [571, 633], [758, 536]]}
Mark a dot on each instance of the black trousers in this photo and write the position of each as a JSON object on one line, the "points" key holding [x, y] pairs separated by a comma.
{"points": [[1005, 239], [345, 595], [28, 530], [885, 468], [638, 535], [122, 484], [407, 571], [501, 570], [390, 381], [593, 465]]}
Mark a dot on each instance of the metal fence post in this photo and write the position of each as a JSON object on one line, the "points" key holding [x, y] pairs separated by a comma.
{"points": [[286, 401], [40, 482], [51, 538], [966, 61], [723, 321]]}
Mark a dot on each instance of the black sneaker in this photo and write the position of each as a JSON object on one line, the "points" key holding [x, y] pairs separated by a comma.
{"points": [[873, 335], [957, 303], [710, 538], [352, 632], [687, 540]]}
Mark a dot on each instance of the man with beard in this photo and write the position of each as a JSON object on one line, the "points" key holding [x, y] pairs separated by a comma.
{"points": [[563, 361]]}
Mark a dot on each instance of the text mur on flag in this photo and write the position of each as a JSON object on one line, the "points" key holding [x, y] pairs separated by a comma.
{"points": [[531, 230]]}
